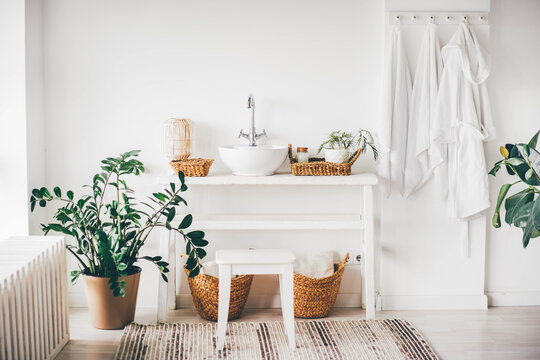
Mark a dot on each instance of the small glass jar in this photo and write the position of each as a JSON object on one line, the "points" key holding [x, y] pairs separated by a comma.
{"points": [[178, 138], [302, 154]]}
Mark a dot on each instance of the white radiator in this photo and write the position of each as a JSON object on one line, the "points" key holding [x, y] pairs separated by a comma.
{"points": [[33, 297]]}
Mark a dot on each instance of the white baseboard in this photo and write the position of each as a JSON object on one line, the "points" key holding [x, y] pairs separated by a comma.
{"points": [[433, 302], [272, 301], [513, 298]]}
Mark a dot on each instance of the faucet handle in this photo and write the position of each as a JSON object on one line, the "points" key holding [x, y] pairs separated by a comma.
{"points": [[242, 134], [259, 135]]}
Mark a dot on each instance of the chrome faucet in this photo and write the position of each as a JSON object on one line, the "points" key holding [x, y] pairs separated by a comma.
{"points": [[252, 135]]}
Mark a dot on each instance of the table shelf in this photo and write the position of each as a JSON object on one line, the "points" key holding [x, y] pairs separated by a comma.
{"points": [[280, 222]]}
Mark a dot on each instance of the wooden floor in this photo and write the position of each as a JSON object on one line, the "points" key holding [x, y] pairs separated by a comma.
{"points": [[497, 333]]}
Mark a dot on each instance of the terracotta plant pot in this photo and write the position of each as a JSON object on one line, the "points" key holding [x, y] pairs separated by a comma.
{"points": [[106, 310]]}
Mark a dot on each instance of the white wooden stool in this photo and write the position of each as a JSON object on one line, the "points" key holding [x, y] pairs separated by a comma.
{"points": [[263, 261]]}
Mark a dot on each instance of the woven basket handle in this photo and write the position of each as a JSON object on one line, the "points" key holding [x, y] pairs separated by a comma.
{"points": [[355, 156], [342, 263], [291, 159]]}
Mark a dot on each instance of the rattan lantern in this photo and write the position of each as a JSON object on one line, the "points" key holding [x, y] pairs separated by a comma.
{"points": [[178, 139]]}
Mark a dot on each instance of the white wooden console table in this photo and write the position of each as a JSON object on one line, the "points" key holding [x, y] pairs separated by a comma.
{"points": [[366, 181]]}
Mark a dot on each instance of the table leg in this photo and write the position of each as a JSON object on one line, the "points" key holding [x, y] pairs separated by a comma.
{"points": [[167, 290], [287, 302], [369, 253], [223, 304]]}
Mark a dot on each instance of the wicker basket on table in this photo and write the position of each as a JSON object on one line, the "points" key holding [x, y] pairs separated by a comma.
{"points": [[205, 294], [192, 167], [319, 167], [314, 298]]}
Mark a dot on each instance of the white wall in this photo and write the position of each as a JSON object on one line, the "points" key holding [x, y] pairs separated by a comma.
{"points": [[515, 94], [13, 152], [115, 70]]}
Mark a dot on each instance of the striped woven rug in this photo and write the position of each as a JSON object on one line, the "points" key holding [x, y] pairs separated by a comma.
{"points": [[350, 339]]}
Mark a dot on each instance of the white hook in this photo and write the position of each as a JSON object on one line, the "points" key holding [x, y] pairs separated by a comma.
{"points": [[465, 20], [432, 19], [482, 18], [414, 17], [448, 17]]}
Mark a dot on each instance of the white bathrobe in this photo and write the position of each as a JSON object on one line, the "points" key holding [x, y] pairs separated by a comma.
{"points": [[462, 123], [423, 155], [392, 135]]}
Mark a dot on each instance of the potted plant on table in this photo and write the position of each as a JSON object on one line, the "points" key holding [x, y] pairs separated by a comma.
{"points": [[340, 146], [522, 208], [110, 229]]}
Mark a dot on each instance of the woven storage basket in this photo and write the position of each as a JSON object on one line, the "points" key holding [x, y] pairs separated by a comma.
{"points": [[192, 167], [205, 294], [314, 298], [319, 167]]}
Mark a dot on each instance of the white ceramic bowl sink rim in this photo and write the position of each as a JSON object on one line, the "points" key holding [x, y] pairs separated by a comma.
{"points": [[260, 160]]}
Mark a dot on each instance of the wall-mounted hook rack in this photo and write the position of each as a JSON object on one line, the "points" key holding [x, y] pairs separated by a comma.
{"points": [[439, 18]]}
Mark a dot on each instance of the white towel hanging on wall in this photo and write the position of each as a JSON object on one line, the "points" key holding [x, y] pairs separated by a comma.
{"points": [[422, 153], [392, 134]]}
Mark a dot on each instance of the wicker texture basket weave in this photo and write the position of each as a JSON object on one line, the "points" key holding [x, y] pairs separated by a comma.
{"points": [[192, 167], [314, 298], [319, 167], [205, 294]]}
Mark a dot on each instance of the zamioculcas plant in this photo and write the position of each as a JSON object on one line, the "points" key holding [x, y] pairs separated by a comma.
{"points": [[110, 227], [522, 208]]}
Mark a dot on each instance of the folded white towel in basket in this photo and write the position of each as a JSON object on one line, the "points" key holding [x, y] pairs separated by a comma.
{"points": [[316, 265]]}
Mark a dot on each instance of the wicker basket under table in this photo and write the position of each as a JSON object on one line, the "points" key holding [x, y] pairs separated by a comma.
{"points": [[192, 167], [205, 294], [319, 167], [314, 298]]}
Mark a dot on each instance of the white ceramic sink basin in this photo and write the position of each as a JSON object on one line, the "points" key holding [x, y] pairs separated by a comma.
{"points": [[260, 160]]}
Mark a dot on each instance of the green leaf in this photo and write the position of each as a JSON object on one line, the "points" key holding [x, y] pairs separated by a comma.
{"points": [[181, 177], [496, 221], [42, 203], [171, 214], [164, 277], [32, 205], [173, 186], [534, 140], [496, 168], [160, 196], [201, 253], [516, 201], [186, 222], [522, 215], [191, 262], [197, 234], [183, 187], [194, 272], [527, 233], [122, 266], [532, 162], [535, 215], [37, 193], [168, 225], [199, 242], [70, 195], [529, 174], [515, 161]]}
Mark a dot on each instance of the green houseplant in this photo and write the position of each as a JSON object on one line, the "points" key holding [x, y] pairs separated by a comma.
{"points": [[522, 209], [340, 145], [110, 228]]}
